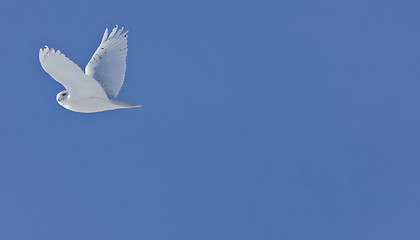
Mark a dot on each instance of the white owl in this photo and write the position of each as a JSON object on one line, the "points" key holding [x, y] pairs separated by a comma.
{"points": [[96, 89]]}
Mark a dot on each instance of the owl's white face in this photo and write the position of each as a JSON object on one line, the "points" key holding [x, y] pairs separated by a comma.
{"points": [[62, 97]]}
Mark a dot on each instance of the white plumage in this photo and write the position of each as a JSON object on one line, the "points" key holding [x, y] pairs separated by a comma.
{"points": [[95, 90]]}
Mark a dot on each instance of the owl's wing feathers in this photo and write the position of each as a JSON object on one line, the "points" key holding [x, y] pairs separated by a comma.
{"points": [[107, 65], [66, 72]]}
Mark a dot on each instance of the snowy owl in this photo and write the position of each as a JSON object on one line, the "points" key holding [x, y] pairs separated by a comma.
{"points": [[96, 89]]}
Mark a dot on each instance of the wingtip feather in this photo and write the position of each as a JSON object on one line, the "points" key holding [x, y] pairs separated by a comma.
{"points": [[113, 32], [105, 35], [120, 31]]}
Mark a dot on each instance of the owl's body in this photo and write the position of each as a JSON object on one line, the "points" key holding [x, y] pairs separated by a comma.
{"points": [[92, 104]]}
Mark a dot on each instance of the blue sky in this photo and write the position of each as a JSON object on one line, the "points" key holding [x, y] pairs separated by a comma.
{"points": [[261, 120]]}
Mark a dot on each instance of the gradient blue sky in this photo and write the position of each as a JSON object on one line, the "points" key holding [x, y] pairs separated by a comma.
{"points": [[262, 120]]}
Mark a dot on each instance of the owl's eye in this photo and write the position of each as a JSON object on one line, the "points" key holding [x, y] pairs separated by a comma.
{"points": [[64, 94]]}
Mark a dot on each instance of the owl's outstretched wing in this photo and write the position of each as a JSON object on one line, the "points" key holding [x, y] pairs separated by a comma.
{"points": [[66, 72], [107, 65]]}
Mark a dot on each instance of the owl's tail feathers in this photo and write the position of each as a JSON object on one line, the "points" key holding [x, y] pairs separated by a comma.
{"points": [[124, 104]]}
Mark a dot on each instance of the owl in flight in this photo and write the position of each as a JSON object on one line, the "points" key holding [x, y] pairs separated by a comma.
{"points": [[96, 89]]}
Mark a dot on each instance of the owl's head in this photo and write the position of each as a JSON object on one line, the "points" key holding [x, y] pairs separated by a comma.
{"points": [[62, 97]]}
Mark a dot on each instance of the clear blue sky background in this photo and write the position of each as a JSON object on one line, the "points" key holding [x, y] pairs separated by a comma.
{"points": [[262, 120]]}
